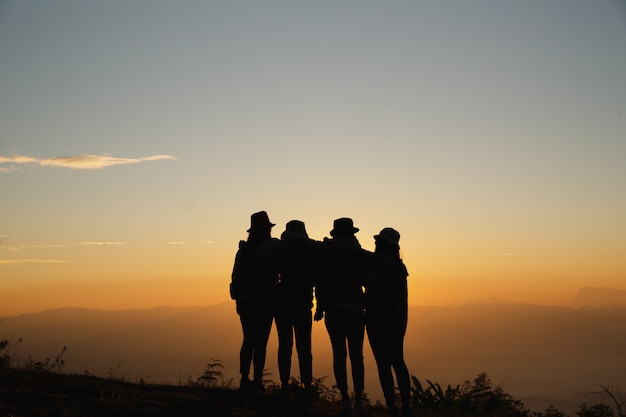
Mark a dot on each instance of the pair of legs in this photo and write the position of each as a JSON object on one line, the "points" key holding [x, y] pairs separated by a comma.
{"points": [[386, 337], [256, 323], [298, 322], [347, 327]]}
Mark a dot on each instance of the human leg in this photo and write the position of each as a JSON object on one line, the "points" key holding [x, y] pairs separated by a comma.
{"points": [[378, 337], [402, 372], [355, 336], [334, 325], [303, 325], [264, 319], [247, 346], [284, 328]]}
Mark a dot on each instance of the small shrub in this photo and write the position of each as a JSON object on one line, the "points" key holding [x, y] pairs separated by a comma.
{"points": [[478, 397], [4, 359], [596, 410], [213, 374], [323, 392], [47, 365], [550, 412], [8, 358], [616, 396], [116, 373]]}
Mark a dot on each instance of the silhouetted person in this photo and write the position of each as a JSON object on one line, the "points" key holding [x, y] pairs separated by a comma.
{"points": [[341, 300], [294, 304], [253, 287], [386, 317]]}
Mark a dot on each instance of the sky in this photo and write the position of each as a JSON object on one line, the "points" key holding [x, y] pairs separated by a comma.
{"points": [[137, 138]]}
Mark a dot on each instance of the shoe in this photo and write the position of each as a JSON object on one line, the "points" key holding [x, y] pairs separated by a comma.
{"points": [[257, 386], [245, 383], [358, 407], [346, 409], [310, 393]]}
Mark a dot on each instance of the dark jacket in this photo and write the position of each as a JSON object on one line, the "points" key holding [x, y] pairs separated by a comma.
{"points": [[256, 269], [386, 293], [298, 272], [344, 276]]}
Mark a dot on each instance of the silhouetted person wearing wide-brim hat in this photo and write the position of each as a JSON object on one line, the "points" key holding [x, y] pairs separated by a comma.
{"points": [[386, 317], [253, 287], [341, 301]]}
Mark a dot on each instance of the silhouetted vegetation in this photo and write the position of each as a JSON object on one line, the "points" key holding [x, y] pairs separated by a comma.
{"points": [[41, 389], [475, 398], [4, 358]]}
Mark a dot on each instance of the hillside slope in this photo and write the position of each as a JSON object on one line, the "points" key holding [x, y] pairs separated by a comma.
{"points": [[47, 394]]}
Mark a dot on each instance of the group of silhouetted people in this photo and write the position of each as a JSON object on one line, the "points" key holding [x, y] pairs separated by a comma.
{"points": [[355, 290]]}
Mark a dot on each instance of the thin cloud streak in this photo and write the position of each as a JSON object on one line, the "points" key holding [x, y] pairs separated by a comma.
{"points": [[11, 164], [17, 160], [32, 261], [20, 248], [102, 243]]}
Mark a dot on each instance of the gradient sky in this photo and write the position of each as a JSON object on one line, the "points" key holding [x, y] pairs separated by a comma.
{"points": [[137, 137]]}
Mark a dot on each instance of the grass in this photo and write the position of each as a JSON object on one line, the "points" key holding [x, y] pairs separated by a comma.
{"points": [[36, 393], [42, 389]]}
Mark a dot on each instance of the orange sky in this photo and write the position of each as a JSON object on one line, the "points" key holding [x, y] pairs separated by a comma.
{"points": [[119, 277], [137, 138]]}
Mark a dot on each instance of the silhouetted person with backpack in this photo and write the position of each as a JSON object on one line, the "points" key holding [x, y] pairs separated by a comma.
{"points": [[253, 287], [294, 304], [386, 317], [341, 302]]}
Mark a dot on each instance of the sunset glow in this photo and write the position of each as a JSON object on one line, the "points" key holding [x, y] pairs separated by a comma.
{"points": [[137, 138]]}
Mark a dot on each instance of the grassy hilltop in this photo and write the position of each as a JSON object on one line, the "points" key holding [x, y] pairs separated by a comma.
{"points": [[40, 389]]}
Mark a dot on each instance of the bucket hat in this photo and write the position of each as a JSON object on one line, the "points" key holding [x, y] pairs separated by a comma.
{"points": [[260, 220], [343, 227]]}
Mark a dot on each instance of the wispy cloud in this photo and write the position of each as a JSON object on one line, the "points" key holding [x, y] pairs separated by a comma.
{"points": [[15, 163], [32, 261], [102, 243], [182, 242], [17, 160], [19, 248]]}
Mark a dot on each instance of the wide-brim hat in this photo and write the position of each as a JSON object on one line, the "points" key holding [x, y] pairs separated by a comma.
{"points": [[343, 226], [260, 220], [389, 235], [296, 226]]}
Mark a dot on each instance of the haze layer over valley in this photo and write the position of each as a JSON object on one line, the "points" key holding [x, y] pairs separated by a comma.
{"points": [[544, 355]]}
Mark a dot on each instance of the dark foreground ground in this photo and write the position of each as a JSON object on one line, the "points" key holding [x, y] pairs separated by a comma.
{"points": [[37, 393], [47, 394]]}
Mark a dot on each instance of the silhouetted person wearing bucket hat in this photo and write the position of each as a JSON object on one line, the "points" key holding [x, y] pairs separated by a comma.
{"points": [[341, 301], [386, 317], [295, 301], [253, 287]]}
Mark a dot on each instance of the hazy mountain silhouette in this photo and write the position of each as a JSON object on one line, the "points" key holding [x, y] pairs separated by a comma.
{"points": [[599, 297], [541, 354]]}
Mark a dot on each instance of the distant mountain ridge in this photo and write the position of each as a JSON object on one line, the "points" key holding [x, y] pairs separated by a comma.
{"points": [[599, 297]]}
